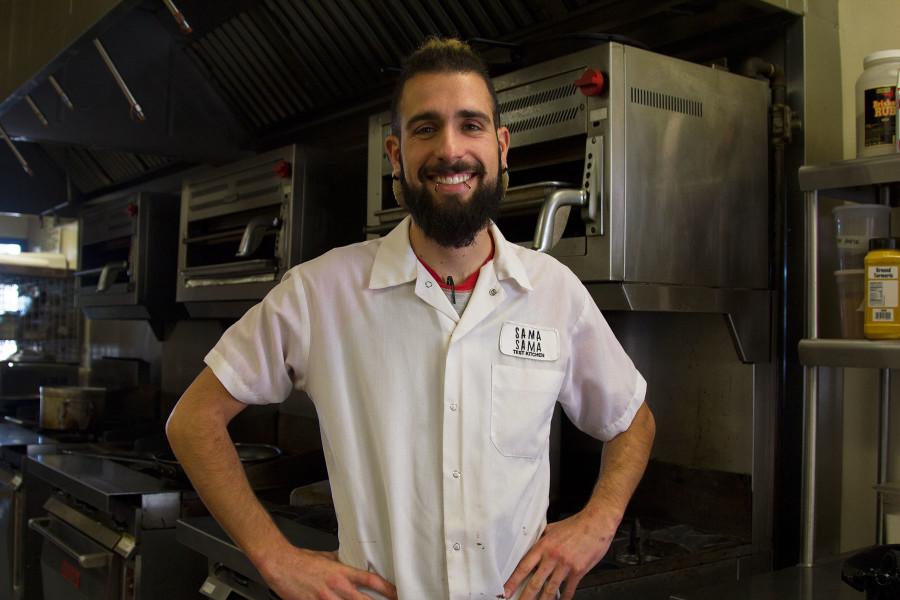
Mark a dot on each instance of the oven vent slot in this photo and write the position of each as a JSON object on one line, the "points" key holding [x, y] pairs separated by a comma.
{"points": [[538, 98], [543, 120], [667, 102]]}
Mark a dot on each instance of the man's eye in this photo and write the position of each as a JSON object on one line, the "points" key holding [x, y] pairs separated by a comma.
{"points": [[473, 127], [425, 130]]}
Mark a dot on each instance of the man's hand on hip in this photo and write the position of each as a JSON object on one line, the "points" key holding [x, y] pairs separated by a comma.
{"points": [[566, 551], [297, 574]]}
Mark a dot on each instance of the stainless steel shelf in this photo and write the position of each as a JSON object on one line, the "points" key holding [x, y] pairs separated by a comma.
{"points": [[889, 488], [868, 354], [850, 174]]}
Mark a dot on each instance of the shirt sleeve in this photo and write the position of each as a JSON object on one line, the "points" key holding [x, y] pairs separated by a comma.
{"points": [[603, 390], [261, 358]]}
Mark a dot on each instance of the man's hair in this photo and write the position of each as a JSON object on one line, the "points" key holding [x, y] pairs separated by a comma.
{"points": [[437, 55]]}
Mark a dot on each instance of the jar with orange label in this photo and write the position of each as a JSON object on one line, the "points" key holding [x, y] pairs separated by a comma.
{"points": [[882, 320]]}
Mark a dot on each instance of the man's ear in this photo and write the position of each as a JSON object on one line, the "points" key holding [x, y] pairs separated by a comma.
{"points": [[503, 140], [392, 148]]}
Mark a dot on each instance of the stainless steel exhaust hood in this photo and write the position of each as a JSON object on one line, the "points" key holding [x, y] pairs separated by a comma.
{"points": [[252, 75]]}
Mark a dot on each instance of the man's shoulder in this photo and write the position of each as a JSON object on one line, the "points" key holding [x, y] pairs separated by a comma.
{"points": [[541, 267], [338, 263]]}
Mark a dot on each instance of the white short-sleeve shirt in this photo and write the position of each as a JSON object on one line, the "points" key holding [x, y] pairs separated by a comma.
{"points": [[435, 426]]}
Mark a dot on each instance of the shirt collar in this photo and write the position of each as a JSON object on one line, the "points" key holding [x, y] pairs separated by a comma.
{"points": [[396, 263]]}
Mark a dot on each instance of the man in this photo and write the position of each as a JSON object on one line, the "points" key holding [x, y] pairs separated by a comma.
{"points": [[434, 356]]}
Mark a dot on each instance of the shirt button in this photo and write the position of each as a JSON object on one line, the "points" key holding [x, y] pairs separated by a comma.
{"points": [[453, 407], [456, 546], [456, 474]]}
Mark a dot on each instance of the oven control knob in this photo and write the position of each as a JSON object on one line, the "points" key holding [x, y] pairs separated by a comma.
{"points": [[132, 209], [591, 82], [283, 169]]}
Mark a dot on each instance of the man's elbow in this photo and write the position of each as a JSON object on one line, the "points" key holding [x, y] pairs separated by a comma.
{"points": [[647, 423]]}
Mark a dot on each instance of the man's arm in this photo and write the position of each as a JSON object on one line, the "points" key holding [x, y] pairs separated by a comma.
{"points": [[197, 431], [570, 548]]}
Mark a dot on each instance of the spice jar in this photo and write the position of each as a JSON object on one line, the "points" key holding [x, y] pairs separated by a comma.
{"points": [[882, 320]]}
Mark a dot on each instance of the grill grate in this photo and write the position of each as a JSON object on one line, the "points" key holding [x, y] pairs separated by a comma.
{"points": [[543, 120], [666, 102]]}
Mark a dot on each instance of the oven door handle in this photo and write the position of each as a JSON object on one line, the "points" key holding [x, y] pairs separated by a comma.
{"points": [[253, 234], [107, 272], [95, 560], [543, 232]]}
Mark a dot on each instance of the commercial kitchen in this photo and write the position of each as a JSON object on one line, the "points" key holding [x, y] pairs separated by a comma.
{"points": [[165, 162]]}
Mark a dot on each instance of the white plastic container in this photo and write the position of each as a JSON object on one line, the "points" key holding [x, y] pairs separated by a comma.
{"points": [[851, 296], [854, 226], [876, 104]]}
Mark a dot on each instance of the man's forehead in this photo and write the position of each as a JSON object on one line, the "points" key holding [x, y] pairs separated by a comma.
{"points": [[453, 92]]}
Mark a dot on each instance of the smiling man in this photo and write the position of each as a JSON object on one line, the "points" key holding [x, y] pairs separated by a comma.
{"points": [[436, 429]]}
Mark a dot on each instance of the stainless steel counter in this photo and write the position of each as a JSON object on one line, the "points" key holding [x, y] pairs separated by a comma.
{"points": [[93, 480], [821, 582]]}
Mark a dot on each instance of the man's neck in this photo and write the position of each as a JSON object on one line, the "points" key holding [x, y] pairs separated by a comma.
{"points": [[457, 263]]}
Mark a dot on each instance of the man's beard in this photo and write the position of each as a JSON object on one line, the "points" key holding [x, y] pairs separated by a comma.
{"points": [[451, 222]]}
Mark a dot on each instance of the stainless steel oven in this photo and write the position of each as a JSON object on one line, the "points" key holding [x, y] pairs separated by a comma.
{"points": [[645, 174], [245, 224], [19, 500], [108, 532], [127, 259], [11, 522]]}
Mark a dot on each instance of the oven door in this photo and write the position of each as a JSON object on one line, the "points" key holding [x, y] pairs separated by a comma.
{"points": [[11, 514], [74, 566]]}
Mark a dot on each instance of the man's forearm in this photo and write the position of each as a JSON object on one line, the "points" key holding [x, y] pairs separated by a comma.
{"points": [[624, 460], [200, 440]]}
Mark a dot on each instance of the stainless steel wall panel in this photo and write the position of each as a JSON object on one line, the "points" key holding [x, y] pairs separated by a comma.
{"points": [[695, 175]]}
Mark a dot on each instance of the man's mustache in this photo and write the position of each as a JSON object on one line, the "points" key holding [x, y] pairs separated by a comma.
{"points": [[459, 166]]}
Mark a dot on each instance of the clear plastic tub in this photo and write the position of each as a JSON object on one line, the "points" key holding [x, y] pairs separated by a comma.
{"points": [[851, 285], [855, 225]]}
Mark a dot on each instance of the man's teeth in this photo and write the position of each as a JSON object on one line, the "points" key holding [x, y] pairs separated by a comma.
{"points": [[453, 179]]}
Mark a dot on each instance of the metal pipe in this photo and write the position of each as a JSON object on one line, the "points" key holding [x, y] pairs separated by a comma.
{"points": [[15, 151], [183, 25], [37, 111], [810, 388], [136, 109], [884, 437], [61, 92]]}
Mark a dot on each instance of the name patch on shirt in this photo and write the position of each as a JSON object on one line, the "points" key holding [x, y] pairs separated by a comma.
{"points": [[529, 341]]}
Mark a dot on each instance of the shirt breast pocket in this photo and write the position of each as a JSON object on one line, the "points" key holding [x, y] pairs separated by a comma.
{"points": [[522, 402]]}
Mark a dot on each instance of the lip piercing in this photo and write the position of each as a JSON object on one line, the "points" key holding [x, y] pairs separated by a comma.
{"points": [[466, 183]]}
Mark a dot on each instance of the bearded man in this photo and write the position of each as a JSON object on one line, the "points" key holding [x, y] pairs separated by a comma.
{"points": [[434, 357]]}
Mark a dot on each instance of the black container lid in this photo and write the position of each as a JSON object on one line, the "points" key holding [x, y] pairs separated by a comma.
{"points": [[890, 243]]}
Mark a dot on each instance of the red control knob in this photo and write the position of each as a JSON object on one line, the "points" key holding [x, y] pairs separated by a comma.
{"points": [[283, 169], [591, 82], [132, 210]]}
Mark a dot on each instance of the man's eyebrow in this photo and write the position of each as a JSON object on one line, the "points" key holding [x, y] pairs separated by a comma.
{"points": [[430, 115], [473, 114]]}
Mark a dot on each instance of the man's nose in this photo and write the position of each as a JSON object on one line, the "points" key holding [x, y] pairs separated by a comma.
{"points": [[450, 146]]}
